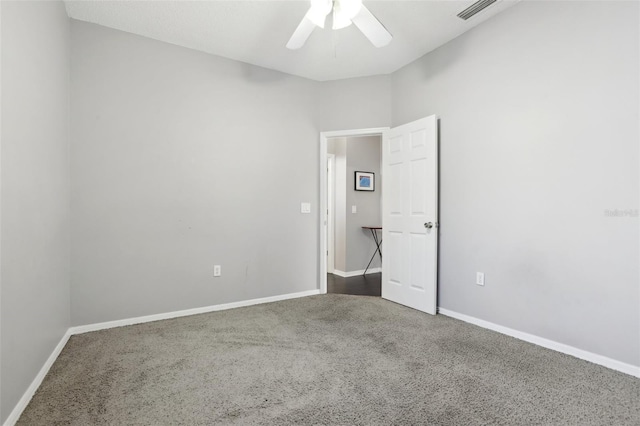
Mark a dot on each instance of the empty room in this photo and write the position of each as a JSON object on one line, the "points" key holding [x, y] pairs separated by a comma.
{"points": [[335, 212]]}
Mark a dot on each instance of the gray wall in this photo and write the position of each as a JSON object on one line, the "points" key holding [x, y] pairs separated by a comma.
{"points": [[539, 136], [355, 103], [353, 245], [363, 154], [35, 191], [182, 160]]}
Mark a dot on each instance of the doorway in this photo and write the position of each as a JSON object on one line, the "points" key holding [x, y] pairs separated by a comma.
{"points": [[359, 285], [409, 214], [349, 209]]}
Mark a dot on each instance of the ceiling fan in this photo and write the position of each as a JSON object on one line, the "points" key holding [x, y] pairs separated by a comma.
{"points": [[345, 12]]}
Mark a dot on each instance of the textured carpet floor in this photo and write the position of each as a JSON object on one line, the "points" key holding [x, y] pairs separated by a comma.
{"points": [[332, 359]]}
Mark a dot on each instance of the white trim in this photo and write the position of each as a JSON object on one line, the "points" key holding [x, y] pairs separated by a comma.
{"points": [[322, 258], [35, 384], [344, 274], [373, 131], [331, 219], [549, 344], [1, 413], [175, 314]]}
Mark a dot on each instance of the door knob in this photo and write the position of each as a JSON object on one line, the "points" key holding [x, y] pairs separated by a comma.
{"points": [[428, 225]]}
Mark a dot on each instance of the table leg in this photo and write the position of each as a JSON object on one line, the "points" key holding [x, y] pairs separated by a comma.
{"points": [[377, 250]]}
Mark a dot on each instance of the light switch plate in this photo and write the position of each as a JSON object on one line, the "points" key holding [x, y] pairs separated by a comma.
{"points": [[305, 208], [354, 209]]}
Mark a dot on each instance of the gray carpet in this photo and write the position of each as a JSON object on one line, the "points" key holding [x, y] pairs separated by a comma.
{"points": [[332, 360]]}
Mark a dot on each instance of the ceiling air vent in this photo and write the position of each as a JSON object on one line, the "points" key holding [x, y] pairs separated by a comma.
{"points": [[475, 8]]}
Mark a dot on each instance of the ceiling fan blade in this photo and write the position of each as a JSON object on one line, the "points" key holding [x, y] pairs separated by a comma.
{"points": [[301, 34], [372, 28]]}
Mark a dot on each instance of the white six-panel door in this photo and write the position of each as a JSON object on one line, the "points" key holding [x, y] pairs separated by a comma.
{"points": [[410, 214]]}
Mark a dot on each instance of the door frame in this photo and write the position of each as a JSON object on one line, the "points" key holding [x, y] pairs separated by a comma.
{"points": [[322, 228], [331, 205]]}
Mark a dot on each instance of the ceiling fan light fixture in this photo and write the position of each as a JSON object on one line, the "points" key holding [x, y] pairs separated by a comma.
{"points": [[319, 11], [340, 21], [344, 11]]}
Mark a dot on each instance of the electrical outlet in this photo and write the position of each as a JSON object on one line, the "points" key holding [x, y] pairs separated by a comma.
{"points": [[480, 278], [305, 208], [217, 270]]}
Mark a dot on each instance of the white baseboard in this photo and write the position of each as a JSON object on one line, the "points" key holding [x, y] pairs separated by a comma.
{"points": [[344, 274], [549, 344], [35, 384], [167, 315], [31, 390]]}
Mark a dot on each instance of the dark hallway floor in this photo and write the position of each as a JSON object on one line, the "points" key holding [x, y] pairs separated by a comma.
{"points": [[361, 285]]}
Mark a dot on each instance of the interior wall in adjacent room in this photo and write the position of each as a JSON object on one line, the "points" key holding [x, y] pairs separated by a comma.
{"points": [[355, 246], [363, 154]]}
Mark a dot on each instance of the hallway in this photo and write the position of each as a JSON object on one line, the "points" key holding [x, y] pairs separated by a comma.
{"points": [[360, 285]]}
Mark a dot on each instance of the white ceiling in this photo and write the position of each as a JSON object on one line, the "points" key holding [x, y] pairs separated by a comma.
{"points": [[256, 32]]}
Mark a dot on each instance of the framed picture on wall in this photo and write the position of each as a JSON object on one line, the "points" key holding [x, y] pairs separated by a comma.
{"points": [[365, 181]]}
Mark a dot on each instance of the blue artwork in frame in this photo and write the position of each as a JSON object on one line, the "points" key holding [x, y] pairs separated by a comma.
{"points": [[365, 181]]}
